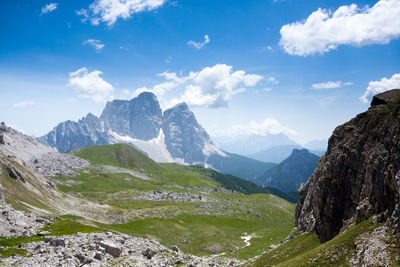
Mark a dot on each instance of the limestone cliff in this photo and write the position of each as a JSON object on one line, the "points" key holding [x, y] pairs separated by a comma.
{"points": [[359, 175]]}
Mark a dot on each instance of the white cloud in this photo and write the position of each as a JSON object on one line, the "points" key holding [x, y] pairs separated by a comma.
{"points": [[96, 44], [330, 85], [108, 11], [23, 104], [325, 30], [49, 8], [90, 85], [264, 127], [199, 45], [376, 87], [273, 80], [212, 87]]}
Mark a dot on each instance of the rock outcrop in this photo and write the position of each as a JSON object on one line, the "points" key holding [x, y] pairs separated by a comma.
{"points": [[359, 175]]}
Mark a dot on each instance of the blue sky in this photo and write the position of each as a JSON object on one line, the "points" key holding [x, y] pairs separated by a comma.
{"points": [[256, 72]]}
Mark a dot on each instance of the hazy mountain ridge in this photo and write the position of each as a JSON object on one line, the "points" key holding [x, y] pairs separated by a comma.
{"points": [[292, 173]]}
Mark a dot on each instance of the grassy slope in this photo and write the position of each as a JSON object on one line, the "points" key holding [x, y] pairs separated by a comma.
{"points": [[196, 228], [20, 195], [306, 250], [120, 155]]}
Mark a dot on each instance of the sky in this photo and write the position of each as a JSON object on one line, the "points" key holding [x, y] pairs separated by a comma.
{"points": [[244, 67]]}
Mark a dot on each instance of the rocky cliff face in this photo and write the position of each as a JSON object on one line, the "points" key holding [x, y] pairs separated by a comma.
{"points": [[184, 136], [359, 174], [70, 136], [139, 118]]}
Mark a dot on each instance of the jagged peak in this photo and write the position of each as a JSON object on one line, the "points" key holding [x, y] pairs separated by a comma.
{"points": [[146, 97]]}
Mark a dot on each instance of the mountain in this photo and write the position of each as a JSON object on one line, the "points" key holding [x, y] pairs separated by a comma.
{"points": [[240, 166], [359, 175], [170, 136], [250, 144], [291, 173], [274, 154]]}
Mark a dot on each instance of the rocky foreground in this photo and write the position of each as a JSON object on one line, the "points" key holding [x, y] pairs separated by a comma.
{"points": [[107, 249]]}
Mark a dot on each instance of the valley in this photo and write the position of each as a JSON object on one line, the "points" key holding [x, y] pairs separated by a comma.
{"points": [[121, 190]]}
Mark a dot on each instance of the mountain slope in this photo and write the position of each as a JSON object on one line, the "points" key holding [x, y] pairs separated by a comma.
{"points": [[359, 175], [123, 155], [274, 154], [119, 155], [240, 166], [291, 173]]}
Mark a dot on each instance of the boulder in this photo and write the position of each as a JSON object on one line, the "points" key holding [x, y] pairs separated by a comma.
{"points": [[148, 253], [111, 248]]}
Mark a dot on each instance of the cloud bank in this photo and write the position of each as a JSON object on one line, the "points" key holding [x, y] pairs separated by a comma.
{"points": [[212, 87], [325, 30]]}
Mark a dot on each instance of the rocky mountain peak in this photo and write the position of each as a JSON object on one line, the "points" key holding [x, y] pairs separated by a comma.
{"points": [[184, 136], [359, 175], [299, 152], [138, 118]]}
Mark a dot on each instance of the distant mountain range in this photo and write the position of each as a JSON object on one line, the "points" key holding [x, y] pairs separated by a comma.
{"points": [[267, 148], [291, 173], [170, 136]]}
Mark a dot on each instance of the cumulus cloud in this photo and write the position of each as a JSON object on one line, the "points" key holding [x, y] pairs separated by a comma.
{"points": [[212, 87], [90, 85], [49, 8], [264, 127], [23, 104], [108, 11], [330, 85], [325, 30], [199, 45], [96, 44], [376, 87]]}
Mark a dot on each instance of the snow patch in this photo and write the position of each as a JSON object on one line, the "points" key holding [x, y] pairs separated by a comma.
{"points": [[155, 148], [246, 238], [210, 149]]}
